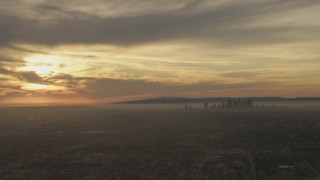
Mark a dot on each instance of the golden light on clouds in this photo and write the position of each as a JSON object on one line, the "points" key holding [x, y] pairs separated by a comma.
{"points": [[42, 59], [35, 86], [32, 86], [225, 48], [41, 64], [40, 70]]}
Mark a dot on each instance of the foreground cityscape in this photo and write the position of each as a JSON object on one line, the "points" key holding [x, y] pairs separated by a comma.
{"points": [[146, 142]]}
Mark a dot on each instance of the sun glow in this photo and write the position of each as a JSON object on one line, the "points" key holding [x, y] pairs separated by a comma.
{"points": [[32, 86], [45, 59], [40, 70], [35, 86], [42, 64]]}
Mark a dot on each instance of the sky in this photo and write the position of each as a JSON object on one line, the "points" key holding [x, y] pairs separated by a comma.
{"points": [[101, 51]]}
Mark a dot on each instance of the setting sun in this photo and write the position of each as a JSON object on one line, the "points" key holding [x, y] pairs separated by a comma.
{"points": [[35, 86], [40, 70], [41, 64]]}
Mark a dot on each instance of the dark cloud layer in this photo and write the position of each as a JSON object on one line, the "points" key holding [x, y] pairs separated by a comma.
{"points": [[227, 24]]}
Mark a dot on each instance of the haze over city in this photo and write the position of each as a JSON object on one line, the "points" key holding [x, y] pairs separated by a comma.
{"points": [[159, 89], [80, 52]]}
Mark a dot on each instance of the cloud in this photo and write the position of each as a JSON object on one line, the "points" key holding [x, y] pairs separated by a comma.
{"points": [[112, 88], [10, 90], [4, 71], [107, 88], [241, 74], [26, 76], [29, 76], [225, 24], [9, 61]]}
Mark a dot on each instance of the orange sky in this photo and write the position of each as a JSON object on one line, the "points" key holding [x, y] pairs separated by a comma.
{"points": [[75, 52]]}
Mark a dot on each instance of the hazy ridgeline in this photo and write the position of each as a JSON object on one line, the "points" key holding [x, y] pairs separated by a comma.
{"points": [[159, 142]]}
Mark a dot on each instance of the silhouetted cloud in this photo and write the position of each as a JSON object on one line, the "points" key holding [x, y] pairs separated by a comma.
{"points": [[27, 76]]}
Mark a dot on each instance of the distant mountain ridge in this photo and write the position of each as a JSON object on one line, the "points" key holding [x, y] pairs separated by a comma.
{"points": [[178, 100]]}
